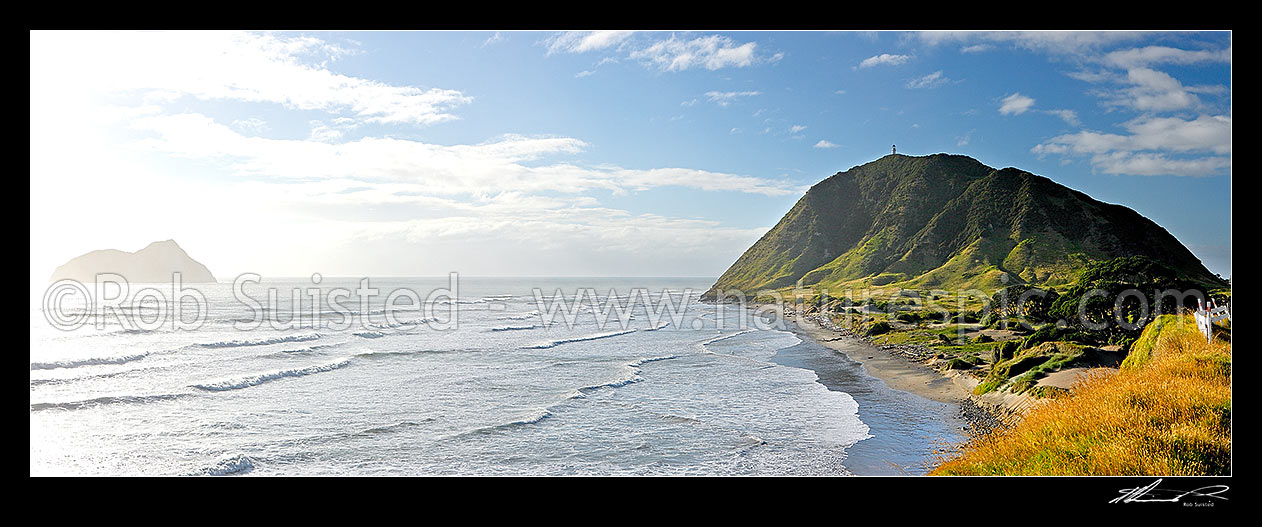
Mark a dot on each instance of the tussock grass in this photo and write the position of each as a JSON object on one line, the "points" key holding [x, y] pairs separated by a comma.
{"points": [[1170, 415]]}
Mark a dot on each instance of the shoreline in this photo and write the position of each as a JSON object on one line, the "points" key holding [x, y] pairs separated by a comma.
{"points": [[899, 371], [907, 435]]}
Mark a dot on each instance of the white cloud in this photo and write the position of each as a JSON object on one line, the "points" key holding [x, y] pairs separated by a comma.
{"points": [[796, 128], [1152, 55], [932, 80], [323, 133], [727, 97], [251, 124], [1206, 133], [1092, 76], [976, 48], [1146, 89], [1156, 164], [884, 59], [1150, 142], [214, 65], [1058, 42], [1015, 104], [1069, 116], [497, 166], [584, 41], [497, 37], [1152, 90], [710, 52], [676, 53], [824, 143]]}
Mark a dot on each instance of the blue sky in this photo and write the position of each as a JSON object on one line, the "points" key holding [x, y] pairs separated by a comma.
{"points": [[584, 153]]}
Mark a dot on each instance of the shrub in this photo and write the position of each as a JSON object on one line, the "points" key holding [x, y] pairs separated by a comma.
{"points": [[1008, 349], [878, 328], [1115, 276], [908, 316]]}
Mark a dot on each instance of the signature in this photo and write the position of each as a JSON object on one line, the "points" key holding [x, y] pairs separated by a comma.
{"points": [[1152, 494]]}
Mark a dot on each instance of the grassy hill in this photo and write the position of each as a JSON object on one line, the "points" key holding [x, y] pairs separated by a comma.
{"points": [[946, 222]]}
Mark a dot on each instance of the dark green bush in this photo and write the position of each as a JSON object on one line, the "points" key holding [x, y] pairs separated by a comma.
{"points": [[878, 328]]}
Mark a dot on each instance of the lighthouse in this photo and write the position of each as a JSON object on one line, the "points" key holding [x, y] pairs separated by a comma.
{"points": [[893, 149]]}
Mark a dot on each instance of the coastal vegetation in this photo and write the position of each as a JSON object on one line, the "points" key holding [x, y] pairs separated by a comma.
{"points": [[1167, 413], [1020, 334]]}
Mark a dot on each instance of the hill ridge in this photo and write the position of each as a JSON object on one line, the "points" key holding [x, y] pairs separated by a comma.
{"points": [[943, 221]]}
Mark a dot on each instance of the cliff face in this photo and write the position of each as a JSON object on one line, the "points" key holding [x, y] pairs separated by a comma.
{"points": [[946, 221], [153, 264]]}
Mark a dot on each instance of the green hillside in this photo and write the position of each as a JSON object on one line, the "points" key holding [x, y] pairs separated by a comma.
{"points": [[946, 222]]}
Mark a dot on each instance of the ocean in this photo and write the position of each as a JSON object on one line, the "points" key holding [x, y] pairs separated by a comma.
{"points": [[467, 376]]}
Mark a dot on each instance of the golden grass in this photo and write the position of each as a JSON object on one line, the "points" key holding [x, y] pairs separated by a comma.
{"points": [[1169, 416]]}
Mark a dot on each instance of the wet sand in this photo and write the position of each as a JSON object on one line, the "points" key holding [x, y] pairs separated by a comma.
{"points": [[913, 413], [897, 372]]}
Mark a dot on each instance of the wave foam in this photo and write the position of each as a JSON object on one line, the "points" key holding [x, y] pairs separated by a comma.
{"points": [[107, 400], [598, 336], [532, 418], [526, 316], [260, 342], [230, 467], [725, 337], [95, 361], [517, 328], [641, 362], [403, 323], [632, 377], [255, 380]]}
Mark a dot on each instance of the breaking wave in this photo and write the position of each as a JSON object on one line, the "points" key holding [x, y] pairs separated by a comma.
{"points": [[260, 342], [229, 467], [95, 361], [725, 337], [518, 328], [257, 379], [108, 400], [598, 336]]}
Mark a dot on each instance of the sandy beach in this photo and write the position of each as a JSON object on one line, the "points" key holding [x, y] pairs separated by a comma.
{"points": [[897, 372]]}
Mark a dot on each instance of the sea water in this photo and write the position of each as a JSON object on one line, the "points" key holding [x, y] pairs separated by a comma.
{"points": [[690, 388]]}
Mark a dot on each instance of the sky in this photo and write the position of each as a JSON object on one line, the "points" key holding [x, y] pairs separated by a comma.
{"points": [[584, 153]]}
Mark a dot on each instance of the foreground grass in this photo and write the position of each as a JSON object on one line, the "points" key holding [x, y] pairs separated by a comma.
{"points": [[1167, 415]]}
